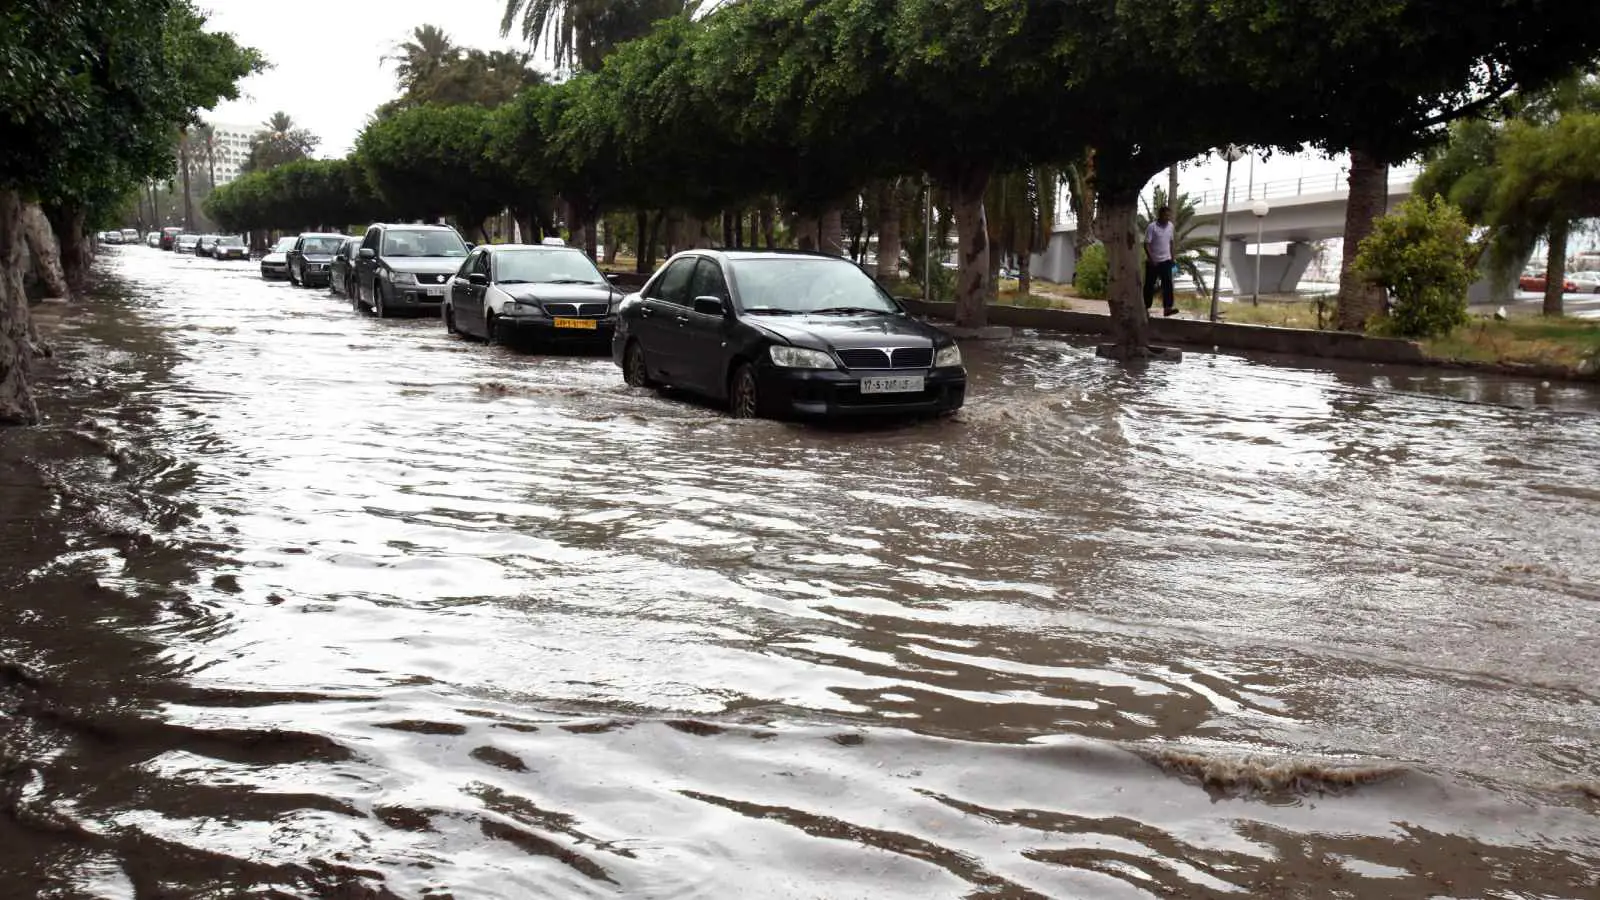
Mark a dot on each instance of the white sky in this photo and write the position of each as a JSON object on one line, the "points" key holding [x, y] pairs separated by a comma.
{"points": [[326, 72]]}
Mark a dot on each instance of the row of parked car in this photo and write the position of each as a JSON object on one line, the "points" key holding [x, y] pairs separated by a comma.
{"points": [[1586, 282], [771, 333]]}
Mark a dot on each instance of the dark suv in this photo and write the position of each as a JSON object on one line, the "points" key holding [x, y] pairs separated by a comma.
{"points": [[406, 267], [310, 258]]}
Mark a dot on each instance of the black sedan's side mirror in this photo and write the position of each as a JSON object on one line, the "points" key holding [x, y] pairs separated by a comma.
{"points": [[711, 306], [367, 253], [477, 279]]}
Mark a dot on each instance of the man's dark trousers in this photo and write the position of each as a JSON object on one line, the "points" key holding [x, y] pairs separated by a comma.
{"points": [[1162, 272]]}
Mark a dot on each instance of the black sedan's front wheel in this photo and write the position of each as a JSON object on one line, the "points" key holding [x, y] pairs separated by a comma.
{"points": [[634, 370], [744, 395]]}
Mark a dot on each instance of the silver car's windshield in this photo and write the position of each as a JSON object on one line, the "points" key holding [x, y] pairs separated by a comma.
{"points": [[231, 242], [545, 267], [808, 286], [399, 242], [283, 245], [324, 246]]}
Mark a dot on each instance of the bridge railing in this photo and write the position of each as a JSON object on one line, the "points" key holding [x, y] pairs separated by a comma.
{"points": [[1322, 183]]}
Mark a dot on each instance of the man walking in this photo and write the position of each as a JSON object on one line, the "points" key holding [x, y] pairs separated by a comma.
{"points": [[1159, 264]]}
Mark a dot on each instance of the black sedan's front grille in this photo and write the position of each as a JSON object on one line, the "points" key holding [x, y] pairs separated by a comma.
{"points": [[576, 309], [887, 357]]}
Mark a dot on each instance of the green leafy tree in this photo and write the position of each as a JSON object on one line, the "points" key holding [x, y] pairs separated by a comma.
{"points": [[279, 141], [434, 161], [1423, 256], [1549, 175]]}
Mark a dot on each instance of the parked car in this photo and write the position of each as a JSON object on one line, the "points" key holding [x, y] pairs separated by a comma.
{"points": [[311, 256], [109, 237], [342, 271], [169, 236], [551, 294], [202, 247], [1536, 282], [185, 243], [777, 333], [1585, 282], [153, 239], [230, 247], [130, 235], [406, 267], [275, 265]]}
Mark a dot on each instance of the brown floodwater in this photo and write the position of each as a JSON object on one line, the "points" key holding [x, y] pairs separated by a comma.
{"points": [[302, 603]]}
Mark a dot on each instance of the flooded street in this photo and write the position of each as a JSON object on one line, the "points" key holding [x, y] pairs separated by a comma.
{"points": [[303, 603]]}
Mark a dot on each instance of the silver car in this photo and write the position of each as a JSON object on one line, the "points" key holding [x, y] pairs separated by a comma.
{"points": [[275, 265], [186, 243]]}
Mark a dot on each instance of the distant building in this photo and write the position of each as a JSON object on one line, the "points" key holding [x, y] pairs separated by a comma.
{"points": [[229, 150]]}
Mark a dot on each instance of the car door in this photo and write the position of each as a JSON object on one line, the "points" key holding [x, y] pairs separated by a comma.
{"points": [[702, 336], [466, 306], [367, 269], [657, 325], [293, 257]]}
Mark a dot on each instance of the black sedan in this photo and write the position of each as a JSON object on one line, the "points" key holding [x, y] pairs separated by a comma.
{"points": [[544, 293], [785, 333], [311, 258]]}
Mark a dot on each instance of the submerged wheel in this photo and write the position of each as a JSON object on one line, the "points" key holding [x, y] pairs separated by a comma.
{"points": [[378, 309], [450, 321], [491, 330], [744, 395], [634, 370]]}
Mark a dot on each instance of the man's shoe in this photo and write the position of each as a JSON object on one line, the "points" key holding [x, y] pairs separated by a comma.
{"points": [[1170, 311]]}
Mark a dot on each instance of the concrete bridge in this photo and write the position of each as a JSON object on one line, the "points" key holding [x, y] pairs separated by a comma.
{"points": [[1300, 211]]}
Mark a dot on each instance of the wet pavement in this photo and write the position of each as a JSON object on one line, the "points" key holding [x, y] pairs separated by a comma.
{"points": [[302, 603]]}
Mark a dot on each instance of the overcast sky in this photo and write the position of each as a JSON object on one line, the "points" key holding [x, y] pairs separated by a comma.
{"points": [[328, 76], [326, 72]]}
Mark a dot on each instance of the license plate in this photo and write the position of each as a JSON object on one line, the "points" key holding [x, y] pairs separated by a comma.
{"points": [[436, 292], [590, 324], [892, 384]]}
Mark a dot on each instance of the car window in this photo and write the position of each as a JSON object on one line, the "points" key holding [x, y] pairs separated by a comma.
{"points": [[708, 281], [673, 285], [481, 264], [417, 242], [371, 242], [806, 284], [328, 245]]}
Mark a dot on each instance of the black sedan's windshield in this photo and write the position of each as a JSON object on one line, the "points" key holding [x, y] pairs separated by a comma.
{"points": [[399, 242], [326, 246], [807, 285], [545, 267]]}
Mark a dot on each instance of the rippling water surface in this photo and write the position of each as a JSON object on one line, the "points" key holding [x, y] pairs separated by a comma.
{"points": [[299, 602]]}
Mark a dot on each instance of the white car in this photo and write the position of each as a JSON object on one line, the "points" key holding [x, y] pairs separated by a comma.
{"points": [[185, 243], [275, 265], [1585, 282]]}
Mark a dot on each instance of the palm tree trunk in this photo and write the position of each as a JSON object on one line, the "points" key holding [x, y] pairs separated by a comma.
{"points": [[888, 232], [972, 225], [1130, 325], [1359, 299], [1172, 186], [17, 406], [188, 193], [1555, 269], [1025, 260]]}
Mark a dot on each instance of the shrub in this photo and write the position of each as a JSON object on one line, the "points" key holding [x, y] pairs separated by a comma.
{"points": [[1423, 256], [1093, 277]]}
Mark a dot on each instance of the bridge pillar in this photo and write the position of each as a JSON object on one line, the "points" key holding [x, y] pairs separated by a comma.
{"points": [[1280, 272], [1059, 261]]}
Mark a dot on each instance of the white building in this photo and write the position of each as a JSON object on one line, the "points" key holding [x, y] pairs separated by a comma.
{"points": [[229, 149]]}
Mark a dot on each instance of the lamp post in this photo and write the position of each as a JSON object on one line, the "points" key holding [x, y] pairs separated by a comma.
{"points": [[927, 240], [1232, 154], [1260, 209]]}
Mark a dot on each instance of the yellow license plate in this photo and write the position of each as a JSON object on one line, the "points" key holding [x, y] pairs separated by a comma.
{"points": [[577, 323]]}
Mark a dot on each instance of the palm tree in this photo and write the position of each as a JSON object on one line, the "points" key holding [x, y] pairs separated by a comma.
{"points": [[581, 33], [208, 141], [279, 141], [1022, 213], [420, 59], [1189, 249]]}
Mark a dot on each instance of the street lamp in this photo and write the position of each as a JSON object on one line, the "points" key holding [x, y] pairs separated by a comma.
{"points": [[1232, 153], [1260, 209]]}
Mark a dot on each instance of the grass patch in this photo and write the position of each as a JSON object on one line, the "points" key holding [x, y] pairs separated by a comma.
{"points": [[1534, 340], [1277, 313]]}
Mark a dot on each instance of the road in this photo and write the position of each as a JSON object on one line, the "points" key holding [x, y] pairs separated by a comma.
{"points": [[306, 603]]}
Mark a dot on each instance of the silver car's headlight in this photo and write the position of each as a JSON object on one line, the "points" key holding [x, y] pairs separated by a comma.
{"points": [[947, 357], [800, 358], [402, 278]]}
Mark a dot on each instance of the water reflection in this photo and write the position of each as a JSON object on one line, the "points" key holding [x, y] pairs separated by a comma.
{"points": [[342, 604]]}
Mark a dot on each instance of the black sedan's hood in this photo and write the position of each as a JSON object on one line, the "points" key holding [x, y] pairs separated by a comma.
{"points": [[844, 332], [561, 293]]}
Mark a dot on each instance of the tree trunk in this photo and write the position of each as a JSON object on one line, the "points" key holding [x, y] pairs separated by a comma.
{"points": [[72, 236], [727, 229], [889, 232], [830, 232], [45, 252], [17, 406], [1172, 187], [1130, 324], [1360, 300], [972, 226], [738, 229], [1024, 274], [644, 249], [1555, 270], [653, 241], [769, 228], [1083, 202]]}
